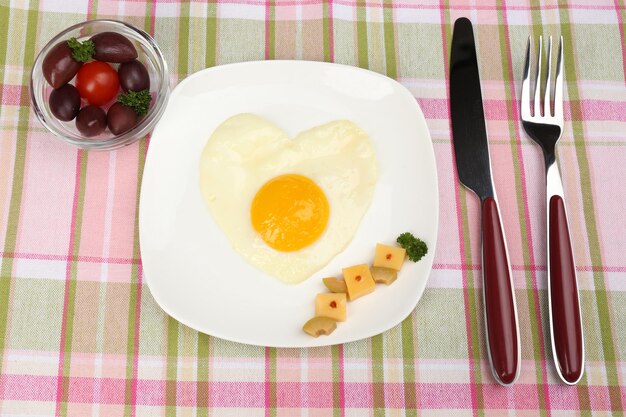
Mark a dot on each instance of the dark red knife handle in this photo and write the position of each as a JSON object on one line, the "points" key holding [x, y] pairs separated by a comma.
{"points": [[566, 321], [500, 313]]}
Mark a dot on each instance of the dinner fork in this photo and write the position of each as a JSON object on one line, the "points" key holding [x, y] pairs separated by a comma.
{"points": [[546, 128]]}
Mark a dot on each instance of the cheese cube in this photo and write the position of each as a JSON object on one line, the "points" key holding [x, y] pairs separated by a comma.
{"points": [[389, 256], [359, 281], [332, 305]]}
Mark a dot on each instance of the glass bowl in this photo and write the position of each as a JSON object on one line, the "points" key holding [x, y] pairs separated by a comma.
{"points": [[149, 55]]}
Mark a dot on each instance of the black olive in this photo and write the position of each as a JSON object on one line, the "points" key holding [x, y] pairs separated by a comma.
{"points": [[121, 118], [65, 102], [113, 47], [91, 121], [133, 76], [58, 66]]}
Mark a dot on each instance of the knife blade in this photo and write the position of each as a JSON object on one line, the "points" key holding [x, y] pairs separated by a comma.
{"points": [[474, 170]]}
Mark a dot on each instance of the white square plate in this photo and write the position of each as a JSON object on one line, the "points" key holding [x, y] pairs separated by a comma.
{"points": [[191, 269]]}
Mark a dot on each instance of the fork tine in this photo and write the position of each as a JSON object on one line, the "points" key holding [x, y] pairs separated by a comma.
{"points": [[537, 100], [546, 100], [525, 103], [558, 86]]}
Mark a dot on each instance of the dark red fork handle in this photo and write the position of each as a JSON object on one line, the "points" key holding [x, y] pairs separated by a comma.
{"points": [[500, 312], [565, 306]]}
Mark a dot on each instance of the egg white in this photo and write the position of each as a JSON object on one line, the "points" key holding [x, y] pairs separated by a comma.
{"points": [[247, 150]]}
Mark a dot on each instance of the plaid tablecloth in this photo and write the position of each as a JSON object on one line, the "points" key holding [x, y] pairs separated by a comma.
{"points": [[80, 334]]}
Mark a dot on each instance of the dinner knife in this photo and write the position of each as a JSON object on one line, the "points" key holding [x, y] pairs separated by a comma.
{"points": [[472, 163]]}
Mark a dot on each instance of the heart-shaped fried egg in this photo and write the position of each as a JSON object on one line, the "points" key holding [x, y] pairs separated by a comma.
{"points": [[288, 206]]}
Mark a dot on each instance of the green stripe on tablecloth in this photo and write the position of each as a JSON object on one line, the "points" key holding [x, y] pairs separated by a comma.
{"points": [[94, 10], [473, 294], [183, 40], [171, 370], [202, 374], [146, 20], [14, 213], [408, 367], [71, 289], [361, 33], [211, 35], [606, 332], [271, 31], [334, 350], [390, 41], [10, 239], [134, 299], [4, 29], [378, 375], [534, 309], [271, 410], [326, 30]]}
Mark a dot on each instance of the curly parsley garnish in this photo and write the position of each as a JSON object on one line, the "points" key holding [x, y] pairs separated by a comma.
{"points": [[415, 248], [81, 51], [137, 100]]}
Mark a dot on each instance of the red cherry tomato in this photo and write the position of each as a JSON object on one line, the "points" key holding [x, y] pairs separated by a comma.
{"points": [[97, 82]]}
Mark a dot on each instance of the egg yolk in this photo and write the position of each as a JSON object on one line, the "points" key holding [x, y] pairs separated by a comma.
{"points": [[289, 212]]}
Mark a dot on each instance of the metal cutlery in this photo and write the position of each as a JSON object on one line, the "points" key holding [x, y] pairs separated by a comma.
{"points": [[545, 127], [473, 166]]}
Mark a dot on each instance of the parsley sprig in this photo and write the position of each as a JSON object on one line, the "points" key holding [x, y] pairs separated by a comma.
{"points": [[137, 100], [81, 51], [415, 248]]}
